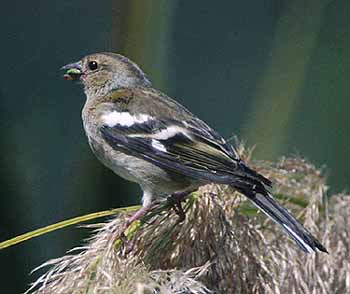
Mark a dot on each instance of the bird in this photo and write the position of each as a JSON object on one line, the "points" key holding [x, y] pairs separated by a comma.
{"points": [[146, 137]]}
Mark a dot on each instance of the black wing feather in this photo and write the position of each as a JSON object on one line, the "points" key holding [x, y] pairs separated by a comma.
{"points": [[142, 148], [198, 152]]}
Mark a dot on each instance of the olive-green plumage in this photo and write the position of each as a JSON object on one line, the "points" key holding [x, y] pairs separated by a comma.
{"points": [[146, 100]]}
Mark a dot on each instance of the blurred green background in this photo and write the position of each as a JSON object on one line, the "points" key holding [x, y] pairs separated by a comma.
{"points": [[275, 73]]}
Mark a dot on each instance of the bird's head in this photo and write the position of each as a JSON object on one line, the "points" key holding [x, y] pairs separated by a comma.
{"points": [[103, 72]]}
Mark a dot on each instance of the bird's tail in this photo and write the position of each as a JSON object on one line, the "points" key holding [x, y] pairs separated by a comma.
{"points": [[304, 239]]}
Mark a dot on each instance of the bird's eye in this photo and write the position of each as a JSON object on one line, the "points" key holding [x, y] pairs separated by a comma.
{"points": [[93, 65]]}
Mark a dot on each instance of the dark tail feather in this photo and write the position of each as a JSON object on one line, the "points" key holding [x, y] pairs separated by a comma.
{"points": [[281, 216]]}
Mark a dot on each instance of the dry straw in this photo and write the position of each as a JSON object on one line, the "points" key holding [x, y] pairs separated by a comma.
{"points": [[223, 246]]}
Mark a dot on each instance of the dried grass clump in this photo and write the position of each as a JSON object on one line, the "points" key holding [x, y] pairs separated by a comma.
{"points": [[223, 246]]}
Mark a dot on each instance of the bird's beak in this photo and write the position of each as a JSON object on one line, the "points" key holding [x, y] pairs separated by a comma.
{"points": [[73, 71]]}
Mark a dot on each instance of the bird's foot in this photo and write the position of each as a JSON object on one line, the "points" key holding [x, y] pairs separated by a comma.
{"points": [[128, 245], [179, 197], [179, 211]]}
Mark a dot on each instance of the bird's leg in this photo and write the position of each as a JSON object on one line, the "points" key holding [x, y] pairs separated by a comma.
{"points": [[179, 197], [136, 216], [179, 211]]}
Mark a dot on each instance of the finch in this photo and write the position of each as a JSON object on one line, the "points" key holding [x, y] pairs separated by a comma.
{"points": [[146, 137]]}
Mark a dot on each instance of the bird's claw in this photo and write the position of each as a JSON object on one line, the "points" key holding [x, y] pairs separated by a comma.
{"points": [[179, 197], [128, 245]]}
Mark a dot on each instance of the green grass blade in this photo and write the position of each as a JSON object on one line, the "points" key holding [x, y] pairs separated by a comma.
{"points": [[64, 224]]}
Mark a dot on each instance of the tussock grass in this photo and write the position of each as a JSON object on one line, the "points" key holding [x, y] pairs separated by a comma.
{"points": [[223, 246]]}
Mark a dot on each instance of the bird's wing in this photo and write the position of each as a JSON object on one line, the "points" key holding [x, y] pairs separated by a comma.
{"points": [[188, 146]]}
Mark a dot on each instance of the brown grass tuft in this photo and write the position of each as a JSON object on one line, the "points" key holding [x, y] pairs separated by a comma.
{"points": [[223, 246]]}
